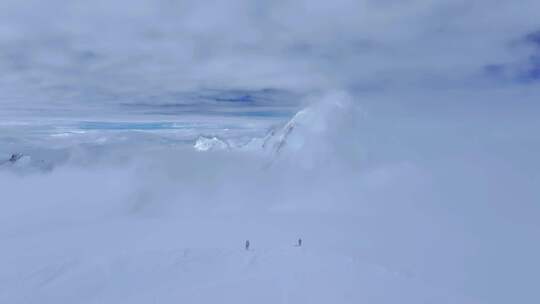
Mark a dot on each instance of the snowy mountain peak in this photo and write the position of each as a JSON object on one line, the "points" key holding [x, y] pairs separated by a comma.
{"points": [[276, 140], [204, 143], [316, 133]]}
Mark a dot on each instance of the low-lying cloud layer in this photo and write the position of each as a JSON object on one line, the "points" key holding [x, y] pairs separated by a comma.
{"points": [[382, 202]]}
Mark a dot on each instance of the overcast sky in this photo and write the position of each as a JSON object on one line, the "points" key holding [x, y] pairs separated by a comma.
{"points": [[428, 120], [93, 55]]}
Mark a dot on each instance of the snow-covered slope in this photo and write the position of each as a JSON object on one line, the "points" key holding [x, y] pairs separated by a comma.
{"points": [[166, 262]]}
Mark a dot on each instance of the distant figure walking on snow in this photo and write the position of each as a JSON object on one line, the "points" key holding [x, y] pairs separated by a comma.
{"points": [[299, 243], [247, 244]]}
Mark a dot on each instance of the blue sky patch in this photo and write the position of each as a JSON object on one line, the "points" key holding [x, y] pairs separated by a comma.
{"points": [[533, 38]]}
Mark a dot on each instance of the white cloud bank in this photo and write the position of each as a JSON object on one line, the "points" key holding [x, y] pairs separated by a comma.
{"points": [[395, 210], [84, 55], [428, 194]]}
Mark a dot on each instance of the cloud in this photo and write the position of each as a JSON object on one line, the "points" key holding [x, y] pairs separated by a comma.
{"points": [[102, 53], [427, 195], [434, 174]]}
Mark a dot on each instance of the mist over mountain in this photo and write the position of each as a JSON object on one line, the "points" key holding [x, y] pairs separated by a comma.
{"points": [[269, 152]]}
